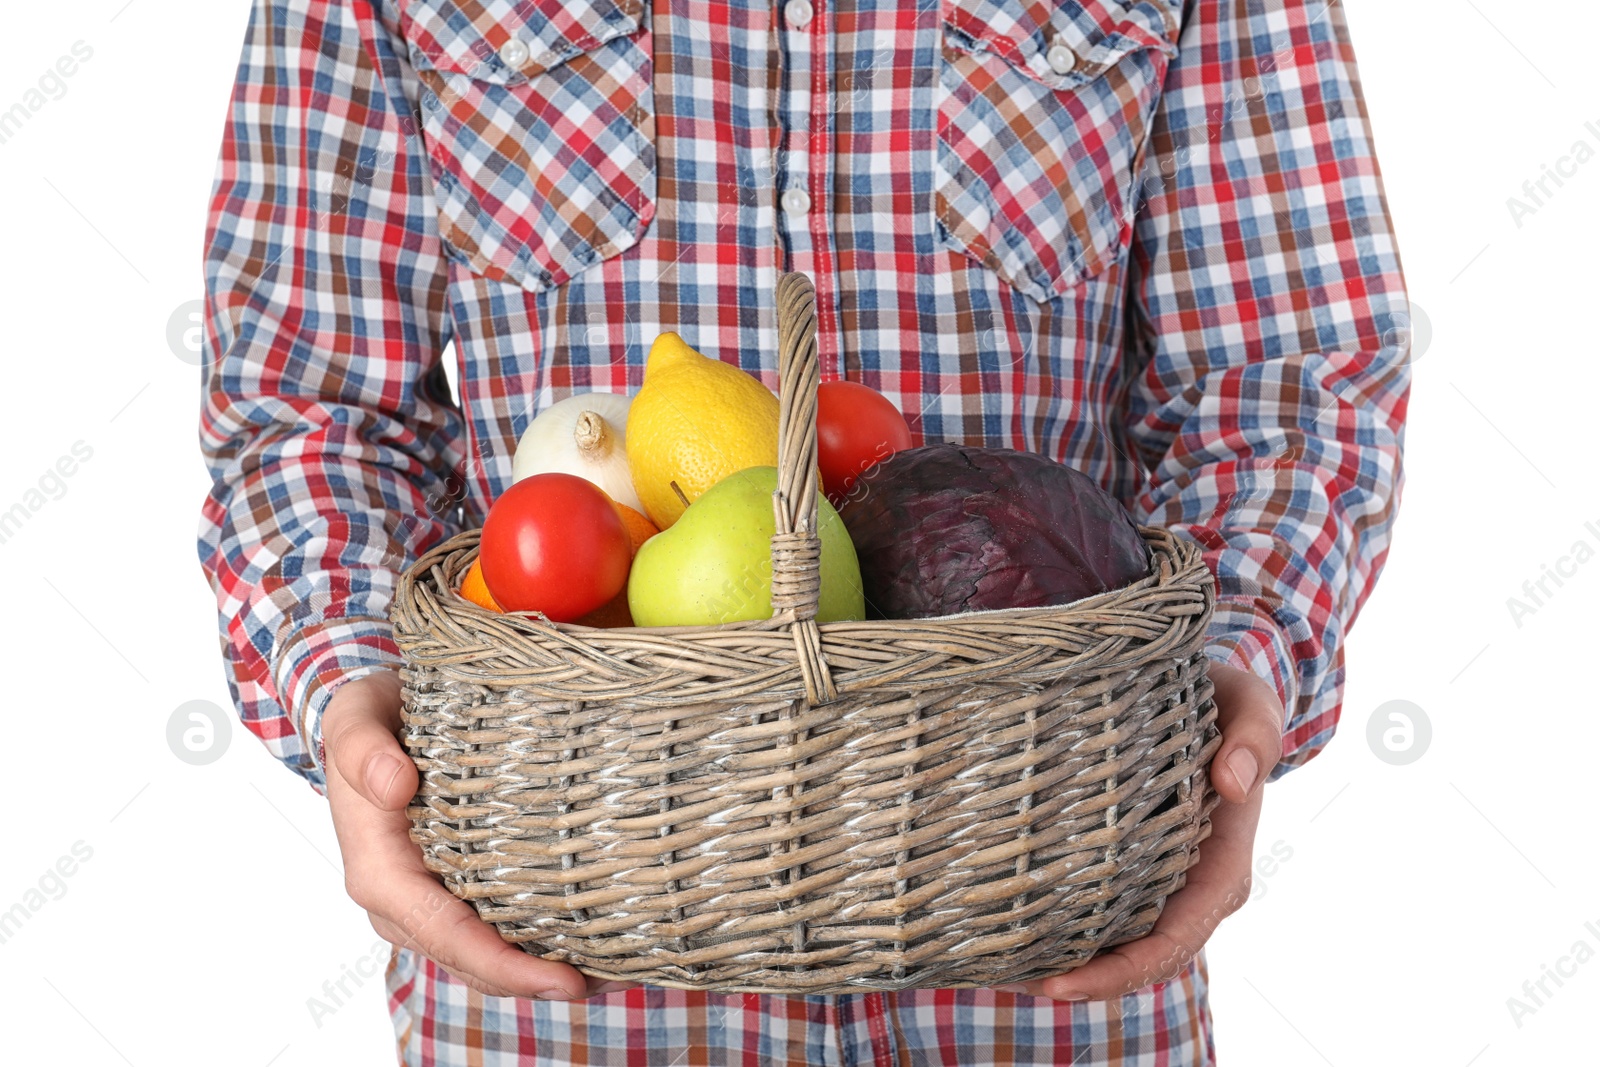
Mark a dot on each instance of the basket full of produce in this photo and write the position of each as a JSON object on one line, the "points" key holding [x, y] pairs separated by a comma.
{"points": [[680, 720]]}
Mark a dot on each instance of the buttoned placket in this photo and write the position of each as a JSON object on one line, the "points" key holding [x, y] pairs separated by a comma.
{"points": [[793, 172], [805, 162]]}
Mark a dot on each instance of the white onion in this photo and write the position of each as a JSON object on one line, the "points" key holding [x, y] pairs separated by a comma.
{"points": [[585, 435]]}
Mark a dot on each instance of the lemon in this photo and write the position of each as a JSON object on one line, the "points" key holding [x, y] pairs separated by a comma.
{"points": [[695, 421]]}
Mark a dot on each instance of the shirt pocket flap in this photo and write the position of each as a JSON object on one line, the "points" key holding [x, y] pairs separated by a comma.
{"points": [[1062, 44], [506, 42]]}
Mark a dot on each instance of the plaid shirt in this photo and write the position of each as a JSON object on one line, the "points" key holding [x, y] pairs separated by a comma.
{"points": [[1145, 238]]}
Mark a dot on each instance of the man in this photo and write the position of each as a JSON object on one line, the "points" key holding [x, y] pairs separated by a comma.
{"points": [[1146, 240]]}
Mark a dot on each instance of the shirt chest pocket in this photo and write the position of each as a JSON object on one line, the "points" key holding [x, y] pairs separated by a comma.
{"points": [[1043, 113], [539, 124]]}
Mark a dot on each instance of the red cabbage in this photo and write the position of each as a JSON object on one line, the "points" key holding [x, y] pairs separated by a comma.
{"points": [[947, 528]]}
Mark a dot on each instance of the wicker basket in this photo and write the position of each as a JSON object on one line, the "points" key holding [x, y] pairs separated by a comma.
{"points": [[787, 807]]}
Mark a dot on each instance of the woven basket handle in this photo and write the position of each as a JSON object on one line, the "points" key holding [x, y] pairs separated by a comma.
{"points": [[796, 548]]}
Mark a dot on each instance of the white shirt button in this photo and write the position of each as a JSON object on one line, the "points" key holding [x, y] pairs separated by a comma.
{"points": [[514, 53], [797, 13], [796, 202], [1061, 58]]}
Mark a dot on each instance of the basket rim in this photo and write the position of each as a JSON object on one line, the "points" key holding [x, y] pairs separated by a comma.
{"points": [[436, 628], [466, 542]]}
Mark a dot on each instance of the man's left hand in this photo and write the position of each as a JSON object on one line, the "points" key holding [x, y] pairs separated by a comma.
{"points": [[1250, 717]]}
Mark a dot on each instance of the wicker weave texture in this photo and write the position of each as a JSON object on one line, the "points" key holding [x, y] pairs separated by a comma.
{"points": [[787, 807]]}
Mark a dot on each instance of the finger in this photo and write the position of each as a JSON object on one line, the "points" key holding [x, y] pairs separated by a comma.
{"points": [[1251, 718], [415, 911], [1216, 887], [395, 936], [597, 987], [358, 736]]}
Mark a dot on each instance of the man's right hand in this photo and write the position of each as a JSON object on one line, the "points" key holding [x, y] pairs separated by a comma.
{"points": [[370, 782]]}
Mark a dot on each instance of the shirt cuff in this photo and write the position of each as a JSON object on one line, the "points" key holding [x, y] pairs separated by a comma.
{"points": [[1243, 635], [317, 661]]}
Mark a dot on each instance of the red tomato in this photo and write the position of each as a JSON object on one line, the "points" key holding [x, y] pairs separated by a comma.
{"points": [[857, 427], [554, 543]]}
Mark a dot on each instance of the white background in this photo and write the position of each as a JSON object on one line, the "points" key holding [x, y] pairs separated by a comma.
{"points": [[1417, 899]]}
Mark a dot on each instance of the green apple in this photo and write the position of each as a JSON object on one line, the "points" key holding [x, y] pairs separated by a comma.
{"points": [[714, 564]]}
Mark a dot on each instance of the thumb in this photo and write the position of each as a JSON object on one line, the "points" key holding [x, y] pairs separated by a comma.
{"points": [[358, 738], [1251, 718]]}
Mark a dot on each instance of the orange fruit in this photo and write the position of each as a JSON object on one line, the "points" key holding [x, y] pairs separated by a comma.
{"points": [[640, 529], [474, 589], [615, 613]]}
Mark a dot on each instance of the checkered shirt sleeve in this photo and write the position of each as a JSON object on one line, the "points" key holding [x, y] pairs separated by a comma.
{"points": [[327, 424], [1271, 393]]}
